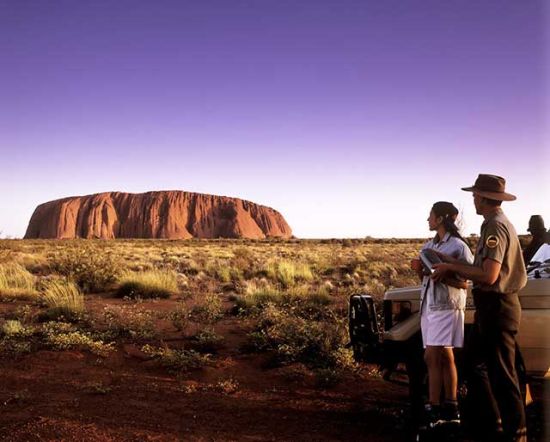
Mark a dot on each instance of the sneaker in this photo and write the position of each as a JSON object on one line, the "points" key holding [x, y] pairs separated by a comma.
{"points": [[431, 417], [450, 413]]}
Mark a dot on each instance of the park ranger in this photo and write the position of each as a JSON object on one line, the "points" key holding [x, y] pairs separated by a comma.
{"points": [[498, 274]]}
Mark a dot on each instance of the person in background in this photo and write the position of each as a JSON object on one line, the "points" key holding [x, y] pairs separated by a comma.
{"points": [[442, 317], [538, 232]]}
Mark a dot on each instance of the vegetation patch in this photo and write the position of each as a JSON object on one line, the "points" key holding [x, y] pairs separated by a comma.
{"points": [[209, 310], [225, 386], [62, 298], [292, 338], [149, 284], [309, 300], [287, 273], [179, 317], [294, 293], [207, 340], [176, 359], [96, 388], [257, 295], [126, 322], [65, 336], [228, 274], [15, 338], [92, 269], [16, 282]]}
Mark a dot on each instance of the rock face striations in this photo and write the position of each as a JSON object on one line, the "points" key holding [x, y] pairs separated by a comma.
{"points": [[165, 214]]}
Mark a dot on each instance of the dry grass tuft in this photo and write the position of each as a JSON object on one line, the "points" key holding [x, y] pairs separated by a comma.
{"points": [[149, 284], [16, 282], [63, 298], [288, 273]]}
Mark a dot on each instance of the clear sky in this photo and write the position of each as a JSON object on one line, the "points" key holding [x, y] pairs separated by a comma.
{"points": [[349, 117]]}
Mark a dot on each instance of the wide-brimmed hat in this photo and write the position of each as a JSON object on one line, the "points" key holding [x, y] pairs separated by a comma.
{"points": [[536, 224], [490, 186]]}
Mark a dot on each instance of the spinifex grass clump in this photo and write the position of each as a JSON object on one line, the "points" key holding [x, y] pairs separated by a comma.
{"points": [[149, 284], [288, 273], [304, 298], [16, 282], [227, 274], [63, 298], [258, 294]]}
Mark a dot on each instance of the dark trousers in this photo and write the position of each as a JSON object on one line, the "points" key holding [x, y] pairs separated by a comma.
{"points": [[490, 356]]}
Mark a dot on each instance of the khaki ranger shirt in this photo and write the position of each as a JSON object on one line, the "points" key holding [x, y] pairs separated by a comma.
{"points": [[497, 305], [499, 241]]}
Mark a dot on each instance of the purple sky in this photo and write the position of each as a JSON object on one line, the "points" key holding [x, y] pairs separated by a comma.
{"points": [[349, 117]]}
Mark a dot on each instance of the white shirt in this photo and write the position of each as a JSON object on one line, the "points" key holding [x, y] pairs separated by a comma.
{"points": [[441, 296]]}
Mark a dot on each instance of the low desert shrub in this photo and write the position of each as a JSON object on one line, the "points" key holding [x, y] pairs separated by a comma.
{"points": [[15, 338], [62, 298], [176, 359], [318, 344], [127, 322], [207, 340], [14, 346], [90, 267], [149, 284], [209, 310], [309, 302], [65, 336], [13, 327], [179, 317], [24, 314], [227, 386], [16, 282]]}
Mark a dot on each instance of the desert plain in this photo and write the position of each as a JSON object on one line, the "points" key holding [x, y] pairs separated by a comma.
{"points": [[166, 340]]}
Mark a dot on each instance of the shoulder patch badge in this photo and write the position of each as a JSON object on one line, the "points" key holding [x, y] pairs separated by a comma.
{"points": [[492, 241]]}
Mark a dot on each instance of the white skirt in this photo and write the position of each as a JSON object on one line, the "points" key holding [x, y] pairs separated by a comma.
{"points": [[444, 328]]}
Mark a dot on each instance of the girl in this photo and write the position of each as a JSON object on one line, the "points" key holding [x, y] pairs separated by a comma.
{"points": [[442, 315]]}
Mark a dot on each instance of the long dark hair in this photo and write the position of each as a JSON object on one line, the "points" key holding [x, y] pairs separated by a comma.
{"points": [[449, 214]]}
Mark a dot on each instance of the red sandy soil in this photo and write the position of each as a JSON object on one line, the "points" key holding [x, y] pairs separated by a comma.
{"points": [[76, 396]]}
